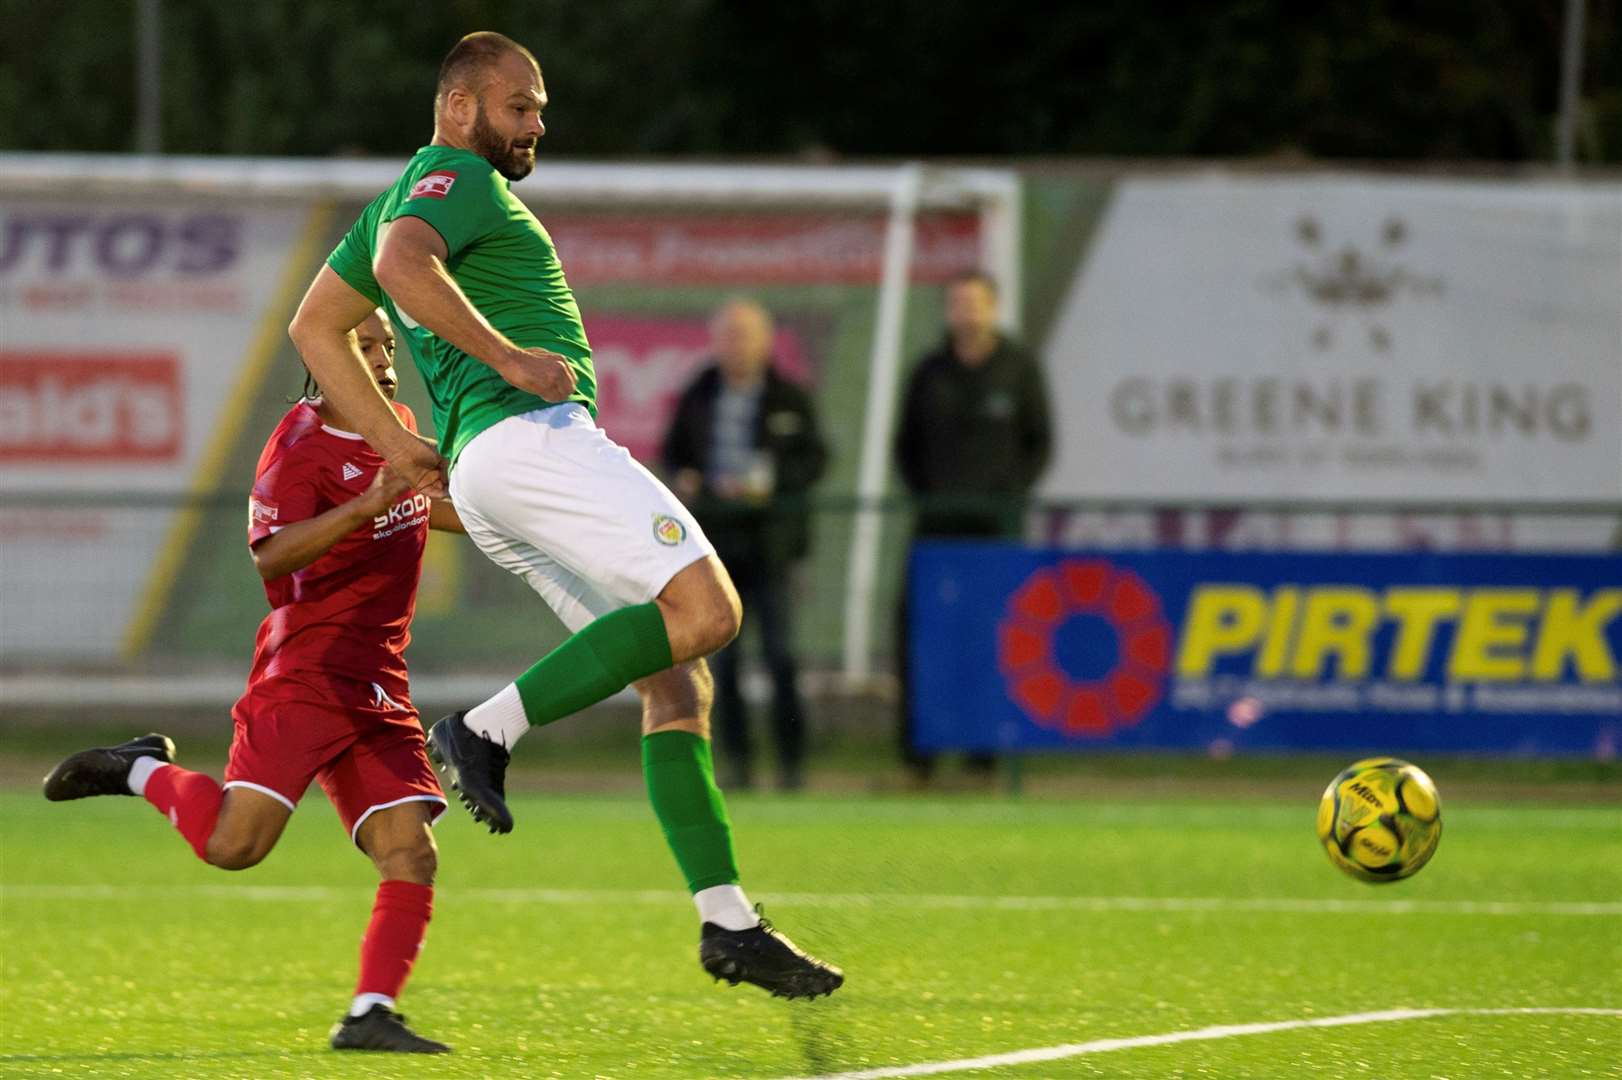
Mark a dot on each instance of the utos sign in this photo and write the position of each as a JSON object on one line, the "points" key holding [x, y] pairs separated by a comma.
{"points": [[74, 407], [118, 245]]}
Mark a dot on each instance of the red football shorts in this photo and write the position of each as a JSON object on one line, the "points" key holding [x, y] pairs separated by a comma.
{"points": [[366, 750]]}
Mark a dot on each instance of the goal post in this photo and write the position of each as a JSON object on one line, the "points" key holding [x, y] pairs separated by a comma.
{"points": [[838, 252]]}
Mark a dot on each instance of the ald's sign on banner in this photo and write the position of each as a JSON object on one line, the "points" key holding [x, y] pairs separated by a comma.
{"points": [[1022, 649]]}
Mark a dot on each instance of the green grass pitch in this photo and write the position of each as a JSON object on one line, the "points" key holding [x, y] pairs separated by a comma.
{"points": [[967, 927]]}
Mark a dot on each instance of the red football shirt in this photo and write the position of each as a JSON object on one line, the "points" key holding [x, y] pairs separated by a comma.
{"points": [[349, 612]]}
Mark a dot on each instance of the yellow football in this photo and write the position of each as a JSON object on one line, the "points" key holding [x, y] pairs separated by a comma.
{"points": [[1380, 819]]}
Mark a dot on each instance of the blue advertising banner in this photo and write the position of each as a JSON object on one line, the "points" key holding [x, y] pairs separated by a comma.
{"points": [[1022, 649]]}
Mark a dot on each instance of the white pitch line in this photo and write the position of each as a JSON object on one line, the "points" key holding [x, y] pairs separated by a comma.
{"points": [[1282, 905], [1221, 1031], [899, 901]]}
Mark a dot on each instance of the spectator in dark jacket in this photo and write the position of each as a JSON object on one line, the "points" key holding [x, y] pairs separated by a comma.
{"points": [[973, 438], [743, 449]]}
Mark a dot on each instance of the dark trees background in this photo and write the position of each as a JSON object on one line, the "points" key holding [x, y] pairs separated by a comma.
{"points": [[1434, 80]]}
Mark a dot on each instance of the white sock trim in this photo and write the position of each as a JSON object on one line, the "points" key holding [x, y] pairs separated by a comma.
{"points": [[142, 771], [363, 1003], [726, 906], [501, 719]]}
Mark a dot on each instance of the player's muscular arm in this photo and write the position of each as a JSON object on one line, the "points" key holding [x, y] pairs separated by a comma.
{"points": [[410, 267], [321, 331], [300, 544]]}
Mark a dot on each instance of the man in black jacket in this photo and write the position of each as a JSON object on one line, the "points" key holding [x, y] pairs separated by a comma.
{"points": [[973, 439], [742, 450]]}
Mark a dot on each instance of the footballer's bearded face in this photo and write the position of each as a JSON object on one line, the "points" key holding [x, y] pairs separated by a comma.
{"points": [[375, 338], [508, 122]]}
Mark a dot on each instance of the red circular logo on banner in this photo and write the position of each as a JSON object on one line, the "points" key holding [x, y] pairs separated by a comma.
{"points": [[1036, 682]]}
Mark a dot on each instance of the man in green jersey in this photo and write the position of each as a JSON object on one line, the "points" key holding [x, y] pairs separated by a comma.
{"points": [[475, 287]]}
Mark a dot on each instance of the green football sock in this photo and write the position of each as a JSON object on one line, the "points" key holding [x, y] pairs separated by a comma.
{"points": [[602, 658], [681, 786]]}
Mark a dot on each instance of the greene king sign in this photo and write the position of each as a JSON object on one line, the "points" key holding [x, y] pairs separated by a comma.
{"points": [[1344, 338], [1368, 408]]}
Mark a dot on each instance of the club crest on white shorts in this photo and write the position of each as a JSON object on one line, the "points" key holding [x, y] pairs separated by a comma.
{"points": [[668, 531]]}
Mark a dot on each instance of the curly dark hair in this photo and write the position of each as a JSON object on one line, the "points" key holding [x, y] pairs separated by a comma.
{"points": [[311, 391]]}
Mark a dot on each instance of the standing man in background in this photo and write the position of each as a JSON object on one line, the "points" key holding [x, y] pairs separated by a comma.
{"points": [[742, 450], [973, 438]]}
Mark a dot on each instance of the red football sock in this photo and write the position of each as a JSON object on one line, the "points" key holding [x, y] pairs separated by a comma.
{"points": [[394, 937], [191, 802]]}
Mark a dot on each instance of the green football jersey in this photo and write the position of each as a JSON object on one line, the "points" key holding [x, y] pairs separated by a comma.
{"points": [[504, 261]]}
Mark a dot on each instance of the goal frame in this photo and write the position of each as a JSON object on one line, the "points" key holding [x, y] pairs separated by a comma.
{"points": [[900, 191]]}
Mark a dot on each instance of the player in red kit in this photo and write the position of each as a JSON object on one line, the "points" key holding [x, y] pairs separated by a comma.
{"points": [[338, 539]]}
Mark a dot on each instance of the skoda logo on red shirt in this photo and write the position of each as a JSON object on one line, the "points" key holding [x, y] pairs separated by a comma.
{"points": [[1044, 607]]}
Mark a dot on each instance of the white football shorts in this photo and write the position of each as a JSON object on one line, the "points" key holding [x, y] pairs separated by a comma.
{"points": [[549, 496]]}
